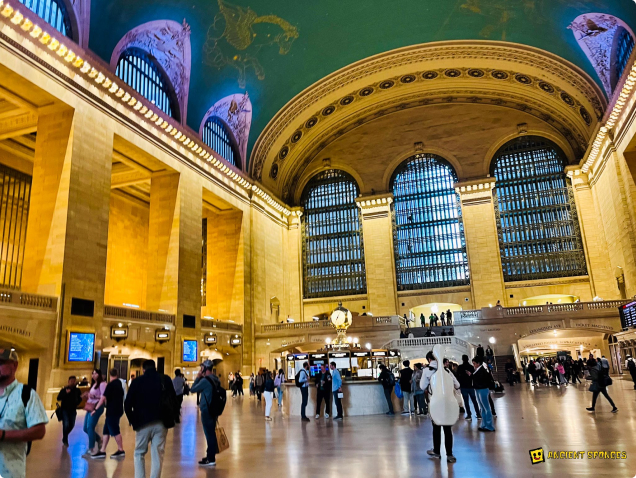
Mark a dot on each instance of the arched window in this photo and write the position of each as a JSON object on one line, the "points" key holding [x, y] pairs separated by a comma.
{"points": [[140, 71], [215, 135], [52, 12], [333, 252], [430, 248], [624, 48], [538, 228]]}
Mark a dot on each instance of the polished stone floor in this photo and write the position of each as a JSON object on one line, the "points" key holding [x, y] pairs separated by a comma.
{"points": [[379, 446]]}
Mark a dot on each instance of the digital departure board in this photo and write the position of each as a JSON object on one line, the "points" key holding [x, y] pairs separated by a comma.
{"points": [[190, 351], [81, 347], [628, 315]]}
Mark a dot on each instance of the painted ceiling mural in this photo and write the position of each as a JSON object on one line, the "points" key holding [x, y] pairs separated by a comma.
{"points": [[274, 49]]}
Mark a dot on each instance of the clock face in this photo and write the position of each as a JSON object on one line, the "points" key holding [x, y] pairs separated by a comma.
{"points": [[338, 318]]}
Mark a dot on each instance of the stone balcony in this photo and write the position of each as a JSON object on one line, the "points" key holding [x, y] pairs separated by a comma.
{"points": [[24, 300], [411, 349], [113, 312], [539, 313], [359, 323]]}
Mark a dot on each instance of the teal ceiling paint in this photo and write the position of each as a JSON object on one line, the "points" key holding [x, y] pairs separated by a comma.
{"points": [[276, 48]]}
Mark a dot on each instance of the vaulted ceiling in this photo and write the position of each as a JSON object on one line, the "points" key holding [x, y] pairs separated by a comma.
{"points": [[276, 49]]}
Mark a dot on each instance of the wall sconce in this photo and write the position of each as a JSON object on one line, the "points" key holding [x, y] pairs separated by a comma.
{"points": [[119, 332], [210, 339], [162, 335]]}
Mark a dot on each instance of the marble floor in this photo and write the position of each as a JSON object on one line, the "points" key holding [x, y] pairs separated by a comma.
{"points": [[379, 446]]}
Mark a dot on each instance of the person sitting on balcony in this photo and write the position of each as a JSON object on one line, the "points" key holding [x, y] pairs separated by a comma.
{"points": [[444, 334], [451, 331]]}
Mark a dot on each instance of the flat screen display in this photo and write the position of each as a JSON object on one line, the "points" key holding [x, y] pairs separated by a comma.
{"points": [[81, 347], [190, 351], [628, 315]]}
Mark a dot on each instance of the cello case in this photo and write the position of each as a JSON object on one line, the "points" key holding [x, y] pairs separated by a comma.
{"points": [[443, 406]]}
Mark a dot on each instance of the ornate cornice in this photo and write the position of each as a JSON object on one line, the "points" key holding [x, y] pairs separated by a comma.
{"points": [[433, 66]]}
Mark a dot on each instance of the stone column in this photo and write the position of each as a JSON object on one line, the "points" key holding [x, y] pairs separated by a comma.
{"points": [[602, 280], [482, 242], [174, 252], [379, 257], [294, 265], [67, 233]]}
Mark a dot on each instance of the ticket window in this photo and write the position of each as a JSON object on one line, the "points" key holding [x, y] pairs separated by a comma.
{"points": [[343, 364], [361, 365]]}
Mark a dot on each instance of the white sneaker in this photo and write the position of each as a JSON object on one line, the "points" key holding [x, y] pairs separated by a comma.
{"points": [[317, 417], [326, 415]]}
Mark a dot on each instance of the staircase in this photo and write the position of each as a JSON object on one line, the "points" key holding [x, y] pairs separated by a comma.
{"points": [[499, 367]]}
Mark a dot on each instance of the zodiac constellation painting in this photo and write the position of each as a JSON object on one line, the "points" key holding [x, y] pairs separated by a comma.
{"points": [[233, 39], [501, 12]]}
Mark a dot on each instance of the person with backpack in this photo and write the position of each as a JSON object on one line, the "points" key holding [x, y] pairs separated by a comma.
{"points": [[69, 398], [387, 379], [211, 406], [302, 382], [151, 408], [113, 399], [23, 418], [600, 381]]}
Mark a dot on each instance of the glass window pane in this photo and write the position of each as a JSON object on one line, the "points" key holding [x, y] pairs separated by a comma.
{"points": [[538, 228], [53, 12], [216, 137], [333, 250]]}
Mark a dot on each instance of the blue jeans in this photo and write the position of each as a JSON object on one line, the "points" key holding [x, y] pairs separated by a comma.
{"points": [[484, 405], [280, 395], [470, 393], [90, 422]]}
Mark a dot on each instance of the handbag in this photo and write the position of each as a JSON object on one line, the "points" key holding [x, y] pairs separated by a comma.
{"points": [[58, 413], [398, 390], [89, 407], [340, 395], [594, 387], [222, 443], [608, 380]]}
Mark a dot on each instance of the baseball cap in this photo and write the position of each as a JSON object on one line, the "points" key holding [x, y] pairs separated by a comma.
{"points": [[9, 354]]}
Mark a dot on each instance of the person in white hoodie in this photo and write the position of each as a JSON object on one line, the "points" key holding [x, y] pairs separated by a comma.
{"points": [[437, 429]]}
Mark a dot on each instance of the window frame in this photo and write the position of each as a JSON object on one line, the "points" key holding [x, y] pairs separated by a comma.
{"points": [[333, 284], [167, 88], [228, 141], [63, 10], [517, 266], [430, 259]]}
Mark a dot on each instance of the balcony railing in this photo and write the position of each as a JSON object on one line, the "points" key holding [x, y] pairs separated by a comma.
{"points": [[217, 324], [15, 298], [126, 313], [573, 310], [425, 342], [358, 322]]}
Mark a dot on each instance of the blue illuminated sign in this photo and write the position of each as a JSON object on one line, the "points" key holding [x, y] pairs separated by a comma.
{"points": [[81, 347]]}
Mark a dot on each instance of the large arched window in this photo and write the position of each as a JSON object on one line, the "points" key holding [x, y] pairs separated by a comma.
{"points": [[430, 248], [216, 136], [52, 12], [140, 71], [538, 228], [624, 48], [333, 252]]}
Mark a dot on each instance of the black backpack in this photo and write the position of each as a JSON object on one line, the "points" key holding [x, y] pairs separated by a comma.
{"points": [[26, 396], [168, 407], [631, 366], [389, 380], [299, 384], [219, 398]]}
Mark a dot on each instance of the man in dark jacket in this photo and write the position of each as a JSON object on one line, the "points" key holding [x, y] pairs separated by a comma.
{"points": [[480, 351], [465, 378], [406, 376], [387, 379], [482, 381], [148, 417], [323, 390], [69, 397], [206, 384]]}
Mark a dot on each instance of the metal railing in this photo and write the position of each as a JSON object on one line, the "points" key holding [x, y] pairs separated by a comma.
{"points": [[468, 317], [359, 321], [115, 312], [15, 298]]}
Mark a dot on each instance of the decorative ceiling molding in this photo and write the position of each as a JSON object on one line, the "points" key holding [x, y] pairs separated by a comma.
{"points": [[236, 112], [596, 35], [169, 43], [485, 72]]}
